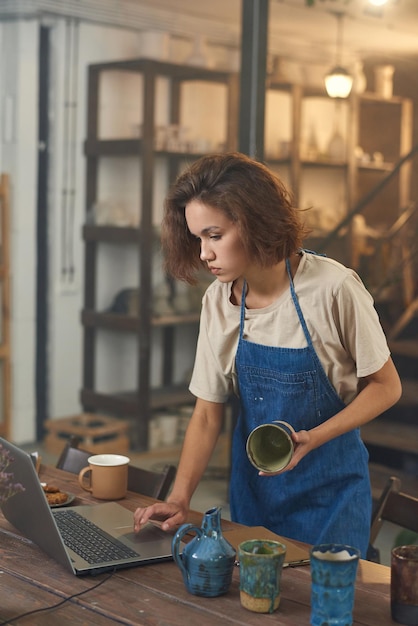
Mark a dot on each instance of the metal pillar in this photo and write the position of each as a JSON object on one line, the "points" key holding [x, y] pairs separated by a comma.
{"points": [[253, 77]]}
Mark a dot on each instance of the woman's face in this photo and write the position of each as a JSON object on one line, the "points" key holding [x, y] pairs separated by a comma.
{"points": [[220, 245]]}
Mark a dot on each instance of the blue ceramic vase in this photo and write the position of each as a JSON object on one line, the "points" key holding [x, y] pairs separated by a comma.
{"points": [[207, 562]]}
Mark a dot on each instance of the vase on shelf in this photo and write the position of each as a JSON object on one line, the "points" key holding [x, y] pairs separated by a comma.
{"points": [[154, 45], [336, 149], [312, 148], [383, 80], [199, 54], [336, 146], [360, 80]]}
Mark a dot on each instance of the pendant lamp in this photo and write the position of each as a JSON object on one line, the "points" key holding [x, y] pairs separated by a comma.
{"points": [[338, 81]]}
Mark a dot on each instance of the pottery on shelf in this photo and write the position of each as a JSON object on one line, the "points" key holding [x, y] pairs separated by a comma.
{"points": [[199, 55], [383, 79], [336, 146], [359, 80]]}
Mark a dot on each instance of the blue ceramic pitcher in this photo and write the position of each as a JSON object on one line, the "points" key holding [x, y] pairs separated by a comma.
{"points": [[207, 562]]}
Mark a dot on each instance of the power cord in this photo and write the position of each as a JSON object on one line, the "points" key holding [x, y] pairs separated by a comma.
{"points": [[61, 602]]}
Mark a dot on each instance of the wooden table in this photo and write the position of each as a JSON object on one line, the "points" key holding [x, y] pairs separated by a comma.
{"points": [[154, 594]]}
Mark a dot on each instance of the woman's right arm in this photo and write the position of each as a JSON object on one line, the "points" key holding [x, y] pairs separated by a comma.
{"points": [[199, 442]]}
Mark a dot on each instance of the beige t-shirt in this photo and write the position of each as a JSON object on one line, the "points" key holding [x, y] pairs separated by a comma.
{"points": [[339, 313]]}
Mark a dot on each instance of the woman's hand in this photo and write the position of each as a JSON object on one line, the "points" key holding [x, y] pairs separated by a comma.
{"points": [[171, 514], [197, 449], [303, 445]]}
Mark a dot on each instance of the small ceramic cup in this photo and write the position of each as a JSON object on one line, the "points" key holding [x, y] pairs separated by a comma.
{"points": [[404, 585], [107, 476], [270, 446], [333, 574], [260, 570]]}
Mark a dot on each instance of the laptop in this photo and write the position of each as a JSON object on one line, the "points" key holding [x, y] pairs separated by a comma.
{"points": [[107, 526]]}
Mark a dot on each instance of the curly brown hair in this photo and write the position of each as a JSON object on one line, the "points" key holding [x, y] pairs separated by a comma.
{"points": [[249, 194]]}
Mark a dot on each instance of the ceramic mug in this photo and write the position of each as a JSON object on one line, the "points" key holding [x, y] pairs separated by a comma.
{"points": [[260, 570], [333, 574], [404, 584], [270, 446], [107, 476]]}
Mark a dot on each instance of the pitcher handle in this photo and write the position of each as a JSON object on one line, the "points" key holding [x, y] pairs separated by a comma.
{"points": [[175, 545]]}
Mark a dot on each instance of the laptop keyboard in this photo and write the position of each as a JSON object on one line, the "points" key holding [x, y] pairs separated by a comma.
{"points": [[89, 541]]}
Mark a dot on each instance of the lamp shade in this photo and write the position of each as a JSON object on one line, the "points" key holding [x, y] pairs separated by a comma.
{"points": [[338, 83]]}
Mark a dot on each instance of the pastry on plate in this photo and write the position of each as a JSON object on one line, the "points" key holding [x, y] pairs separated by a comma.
{"points": [[54, 495]]}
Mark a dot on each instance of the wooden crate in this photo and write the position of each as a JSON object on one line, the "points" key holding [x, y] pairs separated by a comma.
{"points": [[98, 433]]}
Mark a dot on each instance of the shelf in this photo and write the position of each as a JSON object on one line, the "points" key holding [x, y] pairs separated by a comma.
{"points": [[113, 147], [183, 154], [278, 160], [315, 92], [130, 147], [162, 68], [374, 167], [371, 97], [279, 85], [126, 403], [110, 234], [176, 320], [330, 163], [129, 323]]}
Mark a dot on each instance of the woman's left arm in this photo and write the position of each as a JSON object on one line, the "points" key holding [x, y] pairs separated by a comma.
{"points": [[379, 391]]}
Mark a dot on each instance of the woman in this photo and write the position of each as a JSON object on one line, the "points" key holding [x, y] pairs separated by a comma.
{"points": [[295, 335]]}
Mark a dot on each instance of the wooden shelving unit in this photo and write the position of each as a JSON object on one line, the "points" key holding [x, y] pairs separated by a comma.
{"points": [[139, 403], [5, 366], [376, 133]]}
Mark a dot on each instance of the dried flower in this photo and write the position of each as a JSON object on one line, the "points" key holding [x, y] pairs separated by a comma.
{"points": [[8, 488]]}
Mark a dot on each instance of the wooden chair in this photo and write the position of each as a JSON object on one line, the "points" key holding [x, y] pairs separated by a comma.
{"points": [[140, 480], [396, 507]]}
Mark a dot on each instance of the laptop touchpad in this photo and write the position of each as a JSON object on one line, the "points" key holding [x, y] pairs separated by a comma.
{"points": [[146, 534]]}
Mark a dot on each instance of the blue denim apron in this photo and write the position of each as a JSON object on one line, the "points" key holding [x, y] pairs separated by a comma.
{"points": [[327, 497]]}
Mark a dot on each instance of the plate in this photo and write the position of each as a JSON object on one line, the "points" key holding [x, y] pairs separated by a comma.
{"points": [[70, 498]]}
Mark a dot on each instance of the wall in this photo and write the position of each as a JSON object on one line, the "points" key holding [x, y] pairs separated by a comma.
{"points": [[18, 79], [95, 43]]}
